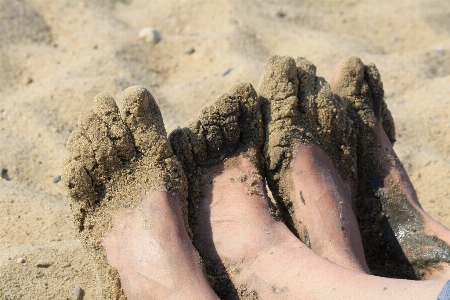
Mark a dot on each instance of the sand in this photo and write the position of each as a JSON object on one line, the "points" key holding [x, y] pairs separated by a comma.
{"points": [[55, 56]]}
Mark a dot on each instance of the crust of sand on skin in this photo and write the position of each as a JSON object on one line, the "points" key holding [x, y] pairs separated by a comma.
{"points": [[413, 252], [299, 107], [231, 125], [117, 157]]}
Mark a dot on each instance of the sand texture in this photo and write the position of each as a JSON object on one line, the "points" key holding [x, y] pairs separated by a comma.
{"points": [[56, 56]]}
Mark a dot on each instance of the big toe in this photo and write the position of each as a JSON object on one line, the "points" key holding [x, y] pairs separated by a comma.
{"points": [[279, 79], [348, 77], [143, 118]]}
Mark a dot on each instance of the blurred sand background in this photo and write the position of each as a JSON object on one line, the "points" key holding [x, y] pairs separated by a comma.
{"points": [[55, 56]]}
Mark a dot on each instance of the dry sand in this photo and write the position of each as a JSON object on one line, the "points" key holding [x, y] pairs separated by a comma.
{"points": [[55, 56]]}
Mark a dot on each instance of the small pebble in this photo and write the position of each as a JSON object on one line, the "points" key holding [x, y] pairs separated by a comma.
{"points": [[150, 34], [5, 174], [226, 72], [20, 260], [66, 265], [43, 265], [189, 50], [27, 80], [78, 293], [281, 14], [57, 179]]}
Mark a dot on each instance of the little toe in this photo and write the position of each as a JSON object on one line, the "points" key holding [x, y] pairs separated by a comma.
{"points": [[143, 118], [106, 109]]}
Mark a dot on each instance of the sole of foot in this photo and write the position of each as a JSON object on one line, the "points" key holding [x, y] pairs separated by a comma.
{"points": [[401, 240], [118, 158]]}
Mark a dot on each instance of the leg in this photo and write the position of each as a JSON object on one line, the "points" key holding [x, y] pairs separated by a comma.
{"points": [[128, 200], [247, 253], [307, 135], [402, 236]]}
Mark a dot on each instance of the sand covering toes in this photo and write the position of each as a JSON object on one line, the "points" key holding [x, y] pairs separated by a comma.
{"points": [[231, 125], [391, 229], [299, 107], [116, 159]]}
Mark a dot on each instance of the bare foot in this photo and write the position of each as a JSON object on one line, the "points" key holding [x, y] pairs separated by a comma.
{"points": [[248, 254], [400, 238], [309, 160], [128, 197]]}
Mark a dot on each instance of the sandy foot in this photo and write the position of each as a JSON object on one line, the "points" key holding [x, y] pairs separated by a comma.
{"points": [[400, 239], [309, 159], [248, 254], [128, 201]]}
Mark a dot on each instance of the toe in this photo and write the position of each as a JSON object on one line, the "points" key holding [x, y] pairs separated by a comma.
{"points": [[81, 149], [278, 87], [143, 118], [381, 111], [279, 79], [373, 79], [78, 182], [348, 77], [250, 114], [106, 109], [96, 132], [306, 72], [181, 141]]}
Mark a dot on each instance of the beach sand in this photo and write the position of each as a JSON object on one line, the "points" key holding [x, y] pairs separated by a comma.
{"points": [[55, 56]]}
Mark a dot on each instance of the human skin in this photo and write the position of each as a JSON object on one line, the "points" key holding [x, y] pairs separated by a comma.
{"points": [[150, 249], [153, 254], [266, 257], [423, 241]]}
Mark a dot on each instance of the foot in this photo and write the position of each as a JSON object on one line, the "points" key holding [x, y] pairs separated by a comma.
{"points": [[400, 238], [128, 201], [248, 254], [310, 166], [220, 154]]}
